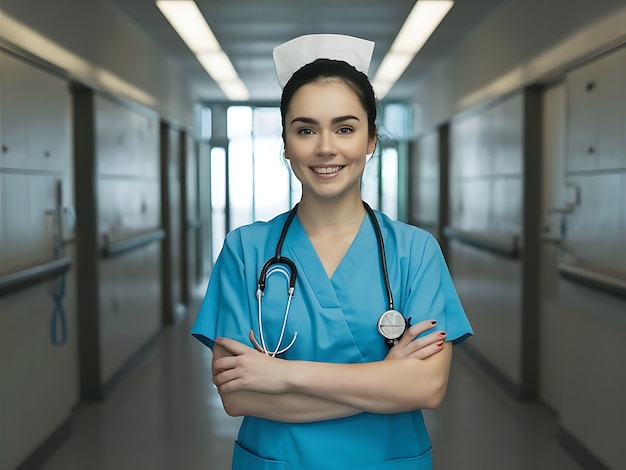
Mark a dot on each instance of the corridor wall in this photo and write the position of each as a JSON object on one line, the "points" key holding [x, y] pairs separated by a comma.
{"points": [[580, 275], [591, 261], [119, 225], [38, 315], [492, 232]]}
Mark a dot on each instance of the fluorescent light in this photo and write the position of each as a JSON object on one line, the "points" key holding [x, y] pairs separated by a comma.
{"points": [[188, 21], [218, 66], [235, 90], [424, 18]]}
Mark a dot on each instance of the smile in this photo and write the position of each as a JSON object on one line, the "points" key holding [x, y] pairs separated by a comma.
{"points": [[327, 170]]}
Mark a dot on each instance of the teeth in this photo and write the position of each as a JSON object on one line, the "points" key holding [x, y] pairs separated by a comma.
{"points": [[327, 170]]}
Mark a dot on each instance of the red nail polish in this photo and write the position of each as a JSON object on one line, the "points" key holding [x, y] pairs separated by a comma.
{"points": [[440, 344], [442, 333], [433, 322]]}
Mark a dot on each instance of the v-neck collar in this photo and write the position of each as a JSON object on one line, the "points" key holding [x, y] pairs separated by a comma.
{"points": [[300, 247]]}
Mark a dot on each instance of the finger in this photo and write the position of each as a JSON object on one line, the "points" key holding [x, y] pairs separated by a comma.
{"points": [[427, 340], [415, 330], [232, 346], [227, 379], [223, 363], [410, 349], [428, 351]]}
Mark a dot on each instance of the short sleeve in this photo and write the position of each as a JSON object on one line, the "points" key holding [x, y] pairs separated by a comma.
{"points": [[432, 294], [225, 310]]}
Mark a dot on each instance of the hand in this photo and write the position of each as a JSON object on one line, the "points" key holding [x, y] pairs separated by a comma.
{"points": [[421, 348], [246, 369]]}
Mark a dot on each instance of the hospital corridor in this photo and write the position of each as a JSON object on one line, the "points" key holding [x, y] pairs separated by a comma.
{"points": [[168, 415], [140, 139]]}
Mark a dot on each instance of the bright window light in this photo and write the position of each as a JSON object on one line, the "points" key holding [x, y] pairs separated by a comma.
{"points": [[188, 21], [424, 18]]}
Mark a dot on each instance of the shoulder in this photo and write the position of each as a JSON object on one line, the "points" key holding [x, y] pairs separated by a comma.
{"points": [[414, 245], [403, 232], [256, 233]]}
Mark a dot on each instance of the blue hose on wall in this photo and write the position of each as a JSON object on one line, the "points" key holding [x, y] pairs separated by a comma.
{"points": [[58, 322]]}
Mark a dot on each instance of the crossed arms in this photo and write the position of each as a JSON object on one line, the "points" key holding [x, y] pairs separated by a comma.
{"points": [[414, 375]]}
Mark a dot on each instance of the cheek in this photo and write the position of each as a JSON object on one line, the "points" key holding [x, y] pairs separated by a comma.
{"points": [[356, 152], [296, 168], [299, 152]]}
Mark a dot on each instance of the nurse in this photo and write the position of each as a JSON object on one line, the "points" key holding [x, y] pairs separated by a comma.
{"points": [[317, 384]]}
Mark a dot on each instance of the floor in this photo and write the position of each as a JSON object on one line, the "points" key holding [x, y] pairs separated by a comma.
{"points": [[166, 415]]}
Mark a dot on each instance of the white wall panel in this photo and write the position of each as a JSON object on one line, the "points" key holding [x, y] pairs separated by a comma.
{"points": [[128, 204], [38, 379], [486, 155], [585, 178], [592, 407]]}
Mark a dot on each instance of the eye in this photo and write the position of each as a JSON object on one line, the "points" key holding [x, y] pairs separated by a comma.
{"points": [[305, 131], [344, 130]]}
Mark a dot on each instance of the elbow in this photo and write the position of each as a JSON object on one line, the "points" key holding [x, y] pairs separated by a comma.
{"points": [[232, 411], [436, 395], [232, 407]]}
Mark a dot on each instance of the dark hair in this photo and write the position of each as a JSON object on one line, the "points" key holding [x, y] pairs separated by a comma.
{"points": [[322, 69]]}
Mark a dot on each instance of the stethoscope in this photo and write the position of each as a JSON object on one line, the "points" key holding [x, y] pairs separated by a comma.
{"points": [[391, 324]]}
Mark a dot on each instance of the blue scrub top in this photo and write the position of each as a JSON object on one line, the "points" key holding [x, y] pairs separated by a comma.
{"points": [[336, 321]]}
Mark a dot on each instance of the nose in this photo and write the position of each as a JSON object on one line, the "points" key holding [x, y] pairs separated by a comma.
{"points": [[325, 144]]}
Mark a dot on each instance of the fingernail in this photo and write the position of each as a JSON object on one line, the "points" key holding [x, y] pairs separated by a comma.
{"points": [[440, 345], [433, 322], [443, 333]]}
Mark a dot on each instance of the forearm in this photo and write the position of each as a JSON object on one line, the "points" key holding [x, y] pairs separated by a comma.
{"points": [[305, 390], [391, 386], [284, 407]]}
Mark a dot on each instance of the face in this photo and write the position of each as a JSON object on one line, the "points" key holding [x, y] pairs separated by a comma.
{"points": [[326, 140]]}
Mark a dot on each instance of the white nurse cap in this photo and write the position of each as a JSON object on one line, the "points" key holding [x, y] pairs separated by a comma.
{"points": [[292, 55]]}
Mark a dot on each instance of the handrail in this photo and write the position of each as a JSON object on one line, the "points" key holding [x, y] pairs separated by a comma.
{"points": [[503, 245], [593, 279], [425, 224], [20, 280], [118, 248]]}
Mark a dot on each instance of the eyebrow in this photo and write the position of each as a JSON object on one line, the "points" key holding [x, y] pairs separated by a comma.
{"points": [[336, 120]]}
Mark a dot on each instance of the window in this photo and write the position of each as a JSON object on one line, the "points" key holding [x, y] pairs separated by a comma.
{"points": [[218, 199]]}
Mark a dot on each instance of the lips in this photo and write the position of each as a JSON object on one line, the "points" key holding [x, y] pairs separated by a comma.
{"points": [[326, 170]]}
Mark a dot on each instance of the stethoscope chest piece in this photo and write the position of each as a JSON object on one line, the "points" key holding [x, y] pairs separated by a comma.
{"points": [[392, 325]]}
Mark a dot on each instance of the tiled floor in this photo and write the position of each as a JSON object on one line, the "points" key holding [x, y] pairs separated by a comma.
{"points": [[166, 415]]}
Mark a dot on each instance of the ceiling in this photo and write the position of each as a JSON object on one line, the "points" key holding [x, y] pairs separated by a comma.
{"points": [[248, 30]]}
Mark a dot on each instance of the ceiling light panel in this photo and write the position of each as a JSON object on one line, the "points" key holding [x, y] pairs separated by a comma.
{"points": [[188, 21], [422, 21]]}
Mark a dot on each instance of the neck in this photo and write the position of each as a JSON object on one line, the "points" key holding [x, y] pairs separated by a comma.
{"points": [[324, 214]]}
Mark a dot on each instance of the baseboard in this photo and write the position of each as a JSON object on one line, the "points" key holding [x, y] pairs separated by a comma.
{"points": [[578, 451], [48, 447], [129, 366]]}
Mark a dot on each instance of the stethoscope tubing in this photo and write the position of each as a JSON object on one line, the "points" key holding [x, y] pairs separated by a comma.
{"points": [[381, 248], [268, 268]]}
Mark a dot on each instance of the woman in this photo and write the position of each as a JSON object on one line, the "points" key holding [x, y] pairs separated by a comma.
{"points": [[318, 385]]}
